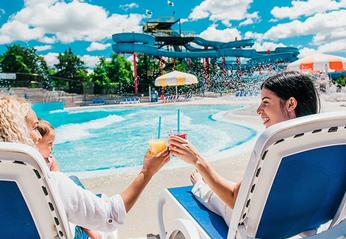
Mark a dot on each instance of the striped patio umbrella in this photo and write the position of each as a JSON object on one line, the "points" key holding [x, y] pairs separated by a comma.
{"points": [[319, 63], [176, 78]]}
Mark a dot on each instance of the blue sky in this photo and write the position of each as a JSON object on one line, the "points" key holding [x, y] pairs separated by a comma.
{"points": [[51, 26]]}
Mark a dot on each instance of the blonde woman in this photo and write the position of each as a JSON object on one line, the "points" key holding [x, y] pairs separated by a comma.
{"points": [[18, 123]]}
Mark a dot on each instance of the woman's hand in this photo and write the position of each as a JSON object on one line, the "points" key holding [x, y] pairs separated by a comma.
{"points": [[54, 164], [181, 148], [152, 164]]}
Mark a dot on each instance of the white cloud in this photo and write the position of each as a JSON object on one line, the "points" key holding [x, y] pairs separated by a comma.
{"points": [[226, 35], [96, 46], [250, 19], [325, 25], [331, 47], [48, 40], [66, 22], [254, 35], [15, 30], [273, 20], [43, 47], [90, 61], [182, 20], [223, 10], [36, 2], [307, 8], [335, 46], [323, 37], [265, 46], [129, 6], [51, 58], [4, 39], [285, 30], [306, 51], [2, 12]]}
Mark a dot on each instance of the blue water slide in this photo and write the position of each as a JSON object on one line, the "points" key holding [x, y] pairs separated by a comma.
{"points": [[134, 37], [144, 43], [214, 44], [152, 50], [233, 44]]}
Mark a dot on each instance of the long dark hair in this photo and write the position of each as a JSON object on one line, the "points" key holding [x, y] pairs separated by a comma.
{"points": [[294, 84]]}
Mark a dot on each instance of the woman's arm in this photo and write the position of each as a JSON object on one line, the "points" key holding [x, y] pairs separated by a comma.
{"points": [[84, 208], [183, 149], [150, 166]]}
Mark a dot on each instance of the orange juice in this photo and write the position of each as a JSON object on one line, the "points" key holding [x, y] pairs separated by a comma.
{"points": [[157, 146]]}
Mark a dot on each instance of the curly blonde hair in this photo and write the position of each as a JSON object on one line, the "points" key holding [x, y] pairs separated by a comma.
{"points": [[13, 120]]}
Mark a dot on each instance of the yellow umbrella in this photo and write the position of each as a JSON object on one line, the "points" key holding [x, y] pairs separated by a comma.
{"points": [[176, 78]]}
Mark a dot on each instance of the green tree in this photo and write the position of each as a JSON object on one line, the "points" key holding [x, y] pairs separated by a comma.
{"points": [[29, 66], [99, 77], [148, 69], [119, 71], [196, 68], [341, 81], [70, 72], [112, 76]]}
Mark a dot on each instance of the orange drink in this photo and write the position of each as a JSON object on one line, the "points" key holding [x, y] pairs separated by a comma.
{"points": [[157, 146]]}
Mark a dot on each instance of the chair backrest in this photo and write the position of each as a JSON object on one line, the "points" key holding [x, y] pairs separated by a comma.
{"points": [[29, 204], [295, 180]]}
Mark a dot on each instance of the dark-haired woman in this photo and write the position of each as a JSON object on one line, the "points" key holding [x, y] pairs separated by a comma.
{"points": [[284, 96]]}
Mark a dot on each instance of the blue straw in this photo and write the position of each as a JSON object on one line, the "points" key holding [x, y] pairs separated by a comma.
{"points": [[178, 121], [159, 128]]}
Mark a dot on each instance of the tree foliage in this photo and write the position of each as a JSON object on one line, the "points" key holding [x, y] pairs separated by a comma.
{"points": [[70, 72], [148, 69], [341, 81], [112, 76], [28, 66]]}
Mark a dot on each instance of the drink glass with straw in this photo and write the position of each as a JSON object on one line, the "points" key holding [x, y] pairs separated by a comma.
{"points": [[157, 145], [178, 132]]}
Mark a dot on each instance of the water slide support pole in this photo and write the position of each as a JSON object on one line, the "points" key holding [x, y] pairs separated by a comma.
{"points": [[135, 73]]}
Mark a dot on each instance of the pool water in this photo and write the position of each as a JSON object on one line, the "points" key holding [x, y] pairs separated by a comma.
{"points": [[105, 138]]}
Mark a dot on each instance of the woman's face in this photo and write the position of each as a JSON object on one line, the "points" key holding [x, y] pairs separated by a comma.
{"points": [[273, 109], [32, 122]]}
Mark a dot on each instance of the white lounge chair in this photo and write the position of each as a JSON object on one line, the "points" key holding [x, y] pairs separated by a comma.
{"points": [[295, 181], [29, 204]]}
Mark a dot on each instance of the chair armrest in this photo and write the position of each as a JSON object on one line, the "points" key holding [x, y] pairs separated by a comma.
{"points": [[161, 203], [185, 227]]}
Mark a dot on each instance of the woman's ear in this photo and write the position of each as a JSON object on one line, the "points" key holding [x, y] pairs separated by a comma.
{"points": [[291, 104]]}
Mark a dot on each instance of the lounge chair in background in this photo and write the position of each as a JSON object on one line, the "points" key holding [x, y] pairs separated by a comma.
{"points": [[295, 181], [29, 204], [136, 100], [125, 100], [98, 101], [130, 100]]}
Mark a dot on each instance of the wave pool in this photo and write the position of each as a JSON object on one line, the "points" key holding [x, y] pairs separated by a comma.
{"points": [[116, 137]]}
